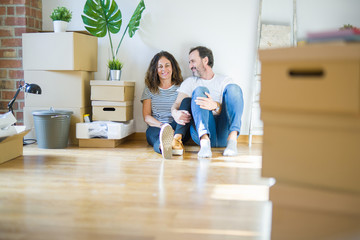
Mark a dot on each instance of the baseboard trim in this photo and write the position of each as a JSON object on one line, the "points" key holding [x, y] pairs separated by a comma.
{"points": [[140, 136]]}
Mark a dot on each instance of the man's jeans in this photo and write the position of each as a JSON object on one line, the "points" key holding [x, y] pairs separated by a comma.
{"points": [[217, 127]]}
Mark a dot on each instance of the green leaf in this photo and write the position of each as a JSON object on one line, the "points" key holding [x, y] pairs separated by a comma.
{"points": [[135, 19], [102, 16]]}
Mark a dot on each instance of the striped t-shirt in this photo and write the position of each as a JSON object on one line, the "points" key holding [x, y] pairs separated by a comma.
{"points": [[161, 102]]}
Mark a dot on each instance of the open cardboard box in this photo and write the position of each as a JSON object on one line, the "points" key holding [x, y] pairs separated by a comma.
{"points": [[12, 146]]}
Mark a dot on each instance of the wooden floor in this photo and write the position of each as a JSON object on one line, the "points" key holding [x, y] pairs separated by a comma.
{"points": [[130, 192]]}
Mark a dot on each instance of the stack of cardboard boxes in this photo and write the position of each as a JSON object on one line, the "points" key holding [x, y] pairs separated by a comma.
{"points": [[111, 101], [310, 106], [62, 64]]}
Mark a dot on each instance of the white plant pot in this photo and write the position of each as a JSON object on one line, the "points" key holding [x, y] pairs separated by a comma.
{"points": [[115, 75], [60, 26]]}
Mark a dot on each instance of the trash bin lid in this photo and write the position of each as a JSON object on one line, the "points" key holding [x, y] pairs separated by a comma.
{"points": [[51, 112]]}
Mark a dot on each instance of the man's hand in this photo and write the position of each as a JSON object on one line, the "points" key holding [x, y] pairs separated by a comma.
{"points": [[206, 103], [181, 117]]}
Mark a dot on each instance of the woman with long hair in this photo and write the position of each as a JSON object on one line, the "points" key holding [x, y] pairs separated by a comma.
{"points": [[162, 80]]}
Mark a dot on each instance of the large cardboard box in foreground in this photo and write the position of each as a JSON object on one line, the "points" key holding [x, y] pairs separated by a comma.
{"points": [[12, 146], [310, 107], [59, 88], [76, 117], [60, 51], [114, 91], [312, 150], [319, 78], [312, 213]]}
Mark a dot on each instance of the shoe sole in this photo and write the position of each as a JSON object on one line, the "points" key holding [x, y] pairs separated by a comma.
{"points": [[177, 152], [166, 138]]}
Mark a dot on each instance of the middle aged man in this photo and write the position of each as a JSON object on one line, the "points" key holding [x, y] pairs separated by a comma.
{"points": [[216, 105]]}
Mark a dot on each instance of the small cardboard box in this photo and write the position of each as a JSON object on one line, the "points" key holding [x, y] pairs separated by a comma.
{"points": [[59, 88], [313, 213], [112, 111], [319, 78], [12, 146], [76, 117], [113, 91], [59, 51]]}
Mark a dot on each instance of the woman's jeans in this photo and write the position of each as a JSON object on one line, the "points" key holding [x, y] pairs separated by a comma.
{"points": [[152, 133], [218, 127]]}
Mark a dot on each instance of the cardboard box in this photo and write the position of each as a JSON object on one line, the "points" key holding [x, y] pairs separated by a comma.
{"points": [[112, 90], [76, 117], [12, 146], [112, 111], [313, 213], [104, 129], [319, 78], [59, 51], [59, 88], [315, 150]]}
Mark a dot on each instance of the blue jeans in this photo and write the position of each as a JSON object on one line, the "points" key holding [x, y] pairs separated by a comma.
{"points": [[217, 127], [152, 133]]}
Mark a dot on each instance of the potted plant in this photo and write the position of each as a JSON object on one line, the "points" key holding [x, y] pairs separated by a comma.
{"points": [[103, 17], [115, 67], [61, 16]]}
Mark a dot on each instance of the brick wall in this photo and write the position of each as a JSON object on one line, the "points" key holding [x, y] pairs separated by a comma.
{"points": [[16, 18]]}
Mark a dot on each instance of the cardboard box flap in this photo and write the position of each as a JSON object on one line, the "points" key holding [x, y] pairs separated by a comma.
{"points": [[111, 83], [21, 132]]}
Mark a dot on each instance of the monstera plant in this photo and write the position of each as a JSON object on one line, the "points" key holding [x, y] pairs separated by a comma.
{"points": [[103, 17]]}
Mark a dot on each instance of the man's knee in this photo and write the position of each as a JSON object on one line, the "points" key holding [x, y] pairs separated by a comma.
{"points": [[233, 90], [200, 92]]}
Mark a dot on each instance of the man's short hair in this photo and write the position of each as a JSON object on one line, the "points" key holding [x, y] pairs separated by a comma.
{"points": [[204, 52]]}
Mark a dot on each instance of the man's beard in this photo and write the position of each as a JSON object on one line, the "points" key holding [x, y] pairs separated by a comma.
{"points": [[196, 73]]}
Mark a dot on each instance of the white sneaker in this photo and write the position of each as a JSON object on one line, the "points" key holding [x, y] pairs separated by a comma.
{"points": [[166, 138]]}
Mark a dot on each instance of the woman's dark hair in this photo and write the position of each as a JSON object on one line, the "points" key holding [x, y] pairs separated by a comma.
{"points": [[152, 80], [204, 52]]}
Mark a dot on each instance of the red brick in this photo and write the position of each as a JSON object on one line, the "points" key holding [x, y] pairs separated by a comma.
{"points": [[19, 31], [3, 105], [20, 53], [7, 53], [16, 74], [20, 10], [15, 21], [18, 83], [22, 105], [6, 32], [6, 2], [2, 11], [19, 1], [30, 22], [7, 84], [10, 10], [11, 42], [39, 14], [8, 95], [10, 63], [3, 73]]}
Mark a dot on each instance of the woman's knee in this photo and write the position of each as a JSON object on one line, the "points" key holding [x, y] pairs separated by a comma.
{"points": [[185, 104]]}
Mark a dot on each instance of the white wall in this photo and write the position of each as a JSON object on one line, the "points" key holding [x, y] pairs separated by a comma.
{"points": [[228, 27]]}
